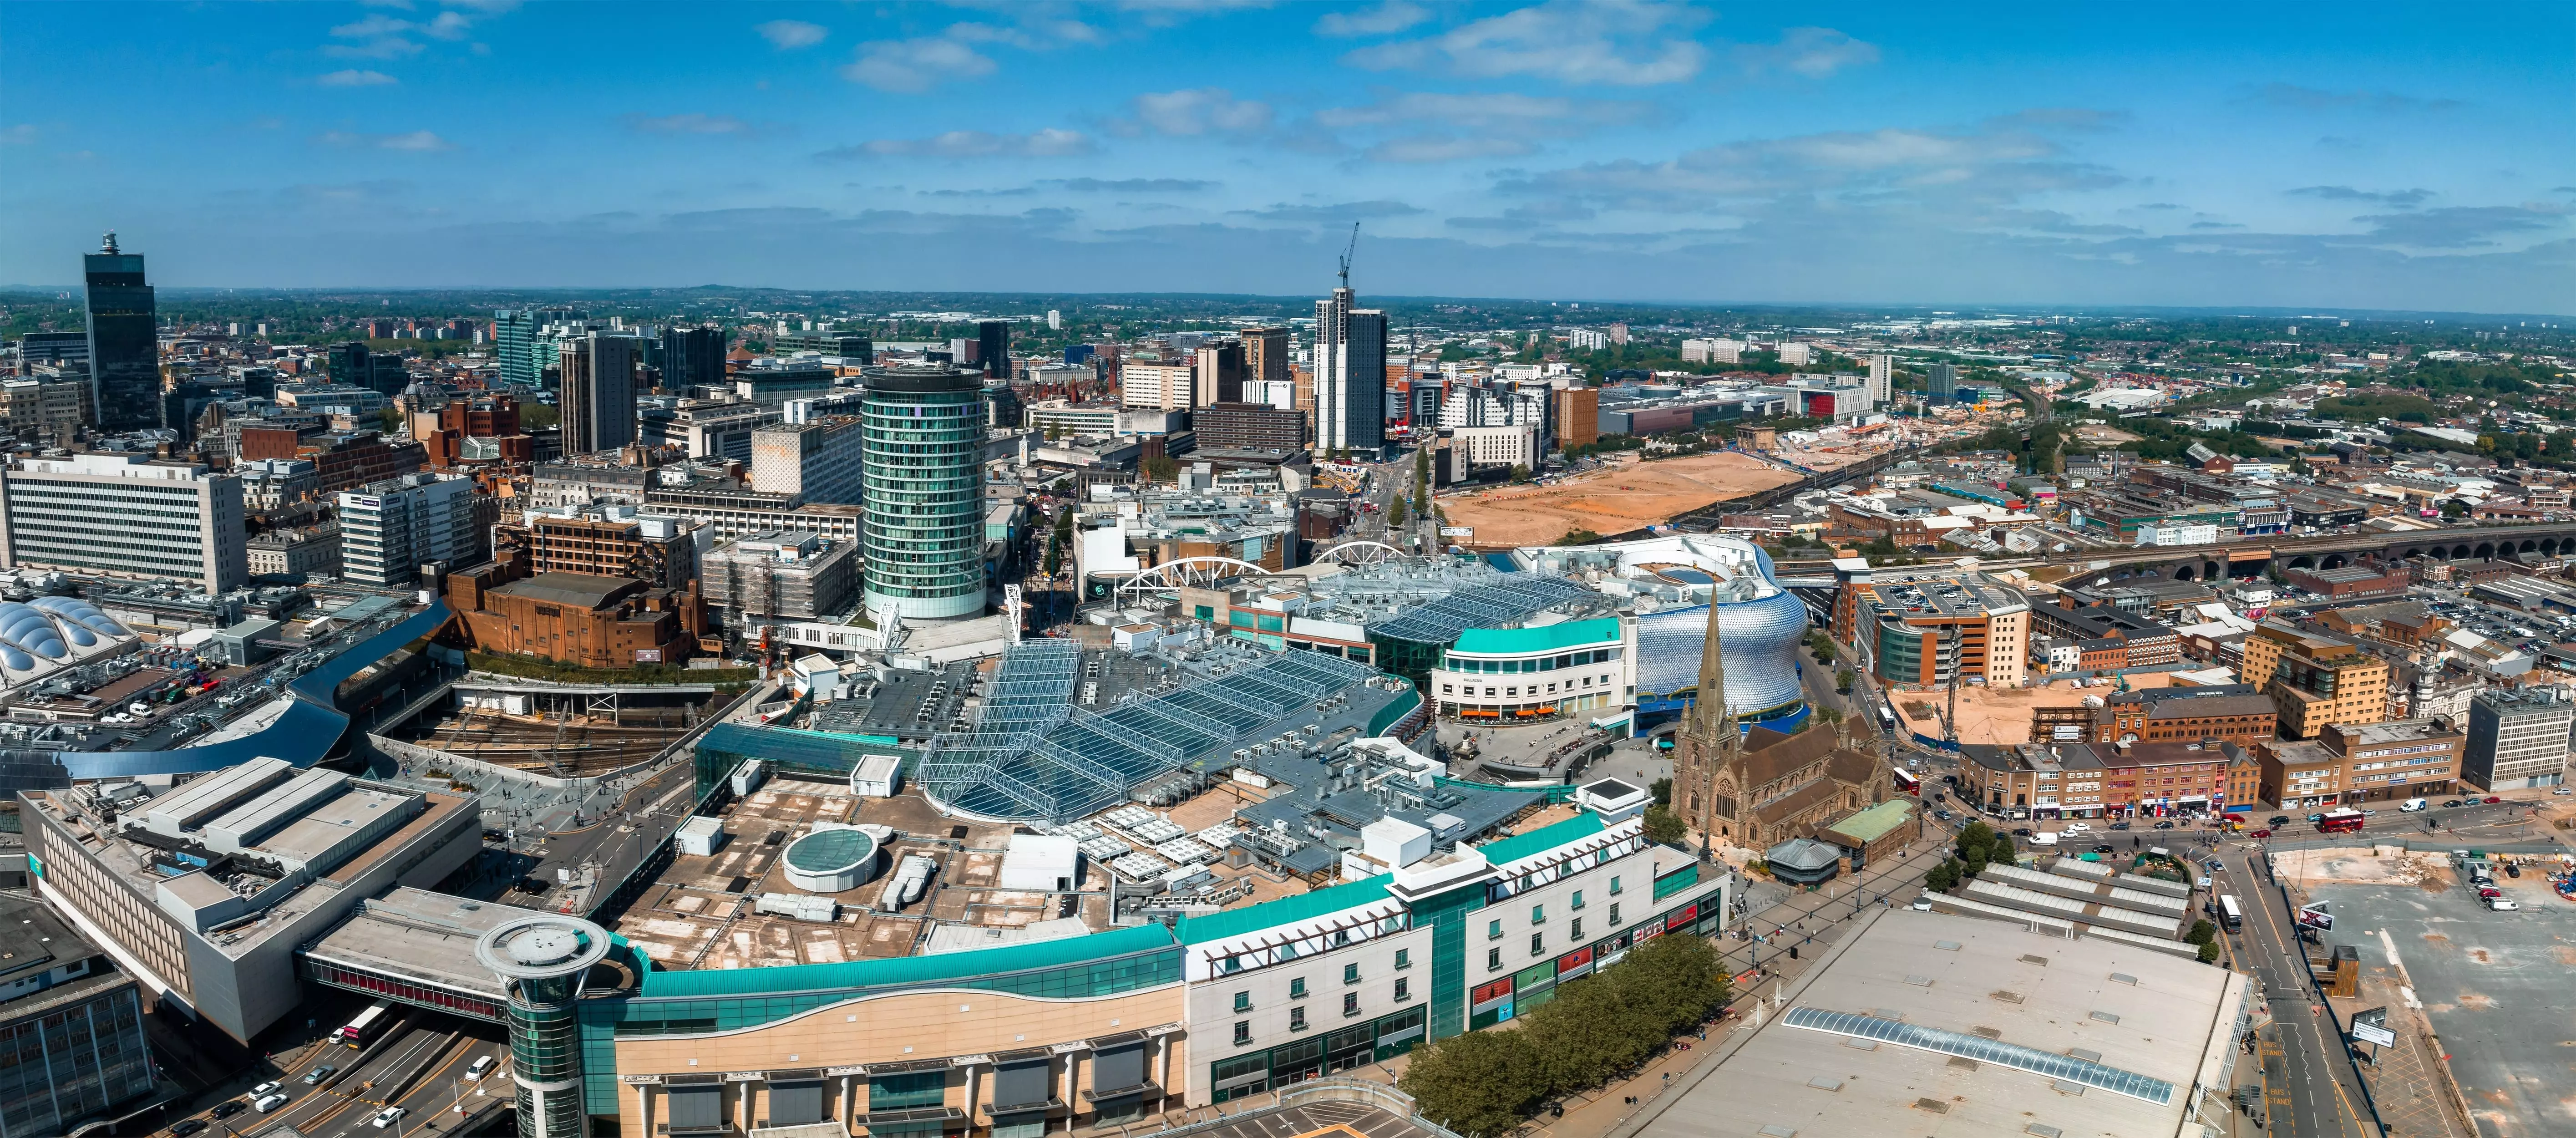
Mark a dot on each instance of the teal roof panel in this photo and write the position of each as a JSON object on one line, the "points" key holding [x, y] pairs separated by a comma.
{"points": [[1545, 638], [905, 971], [1284, 911]]}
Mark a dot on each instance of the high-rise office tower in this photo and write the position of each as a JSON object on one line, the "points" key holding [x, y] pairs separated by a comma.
{"points": [[1267, 357], [922, 430], [692, 357], [1055, 320], [124, 340], [1943, 381], [1220, 373], [993, 340], [525, 352], [348, 363], [1882, 379], [1350, 377], [597, 393]]}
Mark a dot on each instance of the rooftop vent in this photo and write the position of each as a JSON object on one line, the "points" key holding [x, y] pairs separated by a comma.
{"points": [[1934, 1105]]}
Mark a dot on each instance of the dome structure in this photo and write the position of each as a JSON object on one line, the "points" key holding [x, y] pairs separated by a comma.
{"points": [[831, 861]]}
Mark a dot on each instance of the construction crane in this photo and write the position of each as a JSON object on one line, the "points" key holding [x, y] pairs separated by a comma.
{"points": [[1950, 721], [1347, 251]]}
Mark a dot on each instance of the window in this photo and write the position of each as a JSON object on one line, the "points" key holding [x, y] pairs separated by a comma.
{"points": [[1577, 931], [1243, 1001], [1296, 988], [1494, 930], [1538, 914], [1493, 959], [1350, 973], [1403, 989], [1297, 1018], [1538, 944], [1614, 916], [1614, 886], [1578, 901], [1242, 1032], [1350, 1004], [1404, 958]]}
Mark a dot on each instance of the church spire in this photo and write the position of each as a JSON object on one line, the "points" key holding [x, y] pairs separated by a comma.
{"points": [[1716, 721]]}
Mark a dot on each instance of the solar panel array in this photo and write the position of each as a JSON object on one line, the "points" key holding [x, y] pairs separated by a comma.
{"points": [[1514, 598], [2049, 1063], [1035, 756]]}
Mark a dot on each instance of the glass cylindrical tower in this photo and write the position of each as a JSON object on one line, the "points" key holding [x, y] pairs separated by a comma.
{"points": [[922, 431], [541, 960]]}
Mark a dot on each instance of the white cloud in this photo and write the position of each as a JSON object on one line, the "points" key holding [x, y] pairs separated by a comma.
{"points": [[356, 78], [1813, 52], [1446, 148], [1201, 110], [19, 135], [418, 141], [380, 36], [1450, 127], [788, 35], [1626, 43], [1385, 19], [915, 65], [1049, 143]]}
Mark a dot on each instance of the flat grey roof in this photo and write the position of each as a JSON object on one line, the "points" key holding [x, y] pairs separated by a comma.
{"points": [[2166, 1021], [420, 935]]}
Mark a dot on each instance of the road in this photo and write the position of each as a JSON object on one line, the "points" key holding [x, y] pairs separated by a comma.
{"points": [[2312, 1088], [348, 1107]]}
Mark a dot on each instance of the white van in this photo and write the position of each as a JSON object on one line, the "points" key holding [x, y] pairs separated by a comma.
{"points": [[2043, 838], [268, 1103], [481, 1067], [2412, 805]]}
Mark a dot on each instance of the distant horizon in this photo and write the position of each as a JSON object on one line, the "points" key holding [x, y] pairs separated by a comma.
{"points": [[1963, 308], [2187, 157]]}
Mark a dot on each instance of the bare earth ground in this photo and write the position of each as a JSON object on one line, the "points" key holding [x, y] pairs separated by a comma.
{"points": [[2001, 716], [1609, 501]]}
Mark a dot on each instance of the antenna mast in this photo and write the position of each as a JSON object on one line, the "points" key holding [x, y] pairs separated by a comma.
{"points": [[1354, 247]]}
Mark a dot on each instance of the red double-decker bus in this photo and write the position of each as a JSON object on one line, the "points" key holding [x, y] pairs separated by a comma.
{"points": [[2342, 821]]}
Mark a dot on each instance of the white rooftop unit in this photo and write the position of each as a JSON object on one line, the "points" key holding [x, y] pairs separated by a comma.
{"points": [[701, 836], [1395, 842], [876, 776], [1037, 863], [749, 776]]}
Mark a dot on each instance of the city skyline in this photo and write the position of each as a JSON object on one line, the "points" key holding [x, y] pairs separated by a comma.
{"points": [[1603, 151]]}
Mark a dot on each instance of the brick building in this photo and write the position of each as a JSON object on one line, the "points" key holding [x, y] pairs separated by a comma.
{"points": [[1250, 426], [2236, 713], [2315, 678], [573, 618], [342, 460], [2373, 762]]}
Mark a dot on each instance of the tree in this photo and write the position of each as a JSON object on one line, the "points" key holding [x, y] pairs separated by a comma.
{"points": [[1520, 472], [1478, 1084], [1663, 791], [1395, 512], [1946, 876], [1578, 537], [1664, 827], [1163, 468], [1843, 681], [2209, 953], [2202, 932]]}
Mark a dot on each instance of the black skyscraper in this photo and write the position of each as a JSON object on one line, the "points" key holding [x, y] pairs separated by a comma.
{"points": [[692, 357], [994, 340], [124, 343]]}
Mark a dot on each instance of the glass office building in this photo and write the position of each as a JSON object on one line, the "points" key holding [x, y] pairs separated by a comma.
{"points": [[922, 431], [124, 343]]}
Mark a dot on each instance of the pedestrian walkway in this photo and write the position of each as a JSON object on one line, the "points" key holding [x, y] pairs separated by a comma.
{"points": [[2408, 1082]]}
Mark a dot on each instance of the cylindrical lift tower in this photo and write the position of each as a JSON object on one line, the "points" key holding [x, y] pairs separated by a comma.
{"points": [[541, 960]]}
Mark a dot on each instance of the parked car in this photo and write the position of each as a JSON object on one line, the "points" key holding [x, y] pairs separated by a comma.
{"points": [[2512, 870], [2263, 833], [2492, 800], [2489, 892], [2119, 825], [2564, 791], [2102, 849], [2279, 820], [2167, 824], [1923, 904], [2075, 828], [2501, 905], [2453, 804], [2021, 832]]}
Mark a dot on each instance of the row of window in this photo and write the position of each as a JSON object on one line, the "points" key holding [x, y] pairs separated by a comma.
{"points": [[1514, 691], [1456, 663]]}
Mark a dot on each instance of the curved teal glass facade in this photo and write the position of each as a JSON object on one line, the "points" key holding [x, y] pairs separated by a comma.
{"points": [[922, 433]]}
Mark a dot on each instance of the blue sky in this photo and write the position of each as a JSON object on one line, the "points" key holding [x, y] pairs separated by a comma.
{"points": [[2320, 156]]}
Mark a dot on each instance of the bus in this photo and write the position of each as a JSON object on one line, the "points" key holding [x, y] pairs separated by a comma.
{"points": [[2230, 914], [2342, 821], [1906, 783], [369, 1024], [1886, 718]]}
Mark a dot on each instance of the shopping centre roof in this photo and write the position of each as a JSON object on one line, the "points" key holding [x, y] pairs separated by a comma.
{"points": [[1513, 599], [1544, 638]]}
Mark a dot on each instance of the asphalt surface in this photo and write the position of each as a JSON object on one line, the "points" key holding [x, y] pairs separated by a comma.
{"points": [[2494, 986], [2315, 1092], [428, 1044]]}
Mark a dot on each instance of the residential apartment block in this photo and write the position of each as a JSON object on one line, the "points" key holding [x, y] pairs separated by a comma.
{"points": [[2315, 679]]}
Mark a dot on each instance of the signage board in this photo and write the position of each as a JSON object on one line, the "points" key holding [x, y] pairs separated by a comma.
{"points": [[2371, 1026]]}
